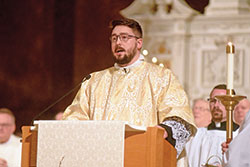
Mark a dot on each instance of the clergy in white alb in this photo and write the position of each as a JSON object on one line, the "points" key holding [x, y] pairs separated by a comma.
{"points": [[11, 151], [205, 147], [10, 145]]}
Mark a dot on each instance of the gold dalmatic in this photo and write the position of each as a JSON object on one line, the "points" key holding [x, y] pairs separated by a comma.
{"points": [[144, 95]]}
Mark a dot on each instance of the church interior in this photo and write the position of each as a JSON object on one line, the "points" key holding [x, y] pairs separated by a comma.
{"points": [[47, 47]]}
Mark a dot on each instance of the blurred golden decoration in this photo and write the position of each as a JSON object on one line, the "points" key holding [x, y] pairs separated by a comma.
{"points": [[162, 49]]}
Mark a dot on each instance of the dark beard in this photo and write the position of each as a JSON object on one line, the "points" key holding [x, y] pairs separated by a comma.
{"points": [[127, 57], [217, 117]]}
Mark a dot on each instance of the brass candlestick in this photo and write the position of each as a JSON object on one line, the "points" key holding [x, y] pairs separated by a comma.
{"points": [[230, 101]]}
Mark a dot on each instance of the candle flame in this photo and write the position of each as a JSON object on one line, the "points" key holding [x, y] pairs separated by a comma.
{"points": [[230, 48]]}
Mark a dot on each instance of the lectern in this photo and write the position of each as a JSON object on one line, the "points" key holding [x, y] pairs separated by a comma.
{"points": [[137, 148]]}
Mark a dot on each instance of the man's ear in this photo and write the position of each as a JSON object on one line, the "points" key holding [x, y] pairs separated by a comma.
{"points": [[139, 43]]}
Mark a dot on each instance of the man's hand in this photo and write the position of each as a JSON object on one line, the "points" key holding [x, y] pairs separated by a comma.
{"points": [[165, 132], [224, 147], [3, 162]]}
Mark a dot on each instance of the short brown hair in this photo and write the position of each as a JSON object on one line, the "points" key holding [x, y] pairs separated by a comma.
{"points": [[134, 25], [221, 86], [7, 111]]}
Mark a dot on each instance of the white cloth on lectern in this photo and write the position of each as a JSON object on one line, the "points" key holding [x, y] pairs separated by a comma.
{"points": [[206, 144], [11, 151], [238, 153]]}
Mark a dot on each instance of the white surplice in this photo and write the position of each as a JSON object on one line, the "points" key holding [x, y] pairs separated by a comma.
{"points": [[11, 151], [205, 147]]}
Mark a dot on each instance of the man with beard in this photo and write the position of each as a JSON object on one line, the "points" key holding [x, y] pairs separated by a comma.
{"points": [[205, 147], [135, 91]]}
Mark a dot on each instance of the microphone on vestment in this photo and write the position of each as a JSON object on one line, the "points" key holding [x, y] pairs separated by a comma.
{"points": [[57, 101]]}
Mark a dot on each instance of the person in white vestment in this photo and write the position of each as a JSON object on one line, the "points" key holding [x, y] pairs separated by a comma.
{"points": [[237, 153], [205, 147], [135, 91], [10, 145]]}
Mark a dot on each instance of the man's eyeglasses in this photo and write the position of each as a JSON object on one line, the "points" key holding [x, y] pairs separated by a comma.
{"points": [[213, 100], [122, 37]]}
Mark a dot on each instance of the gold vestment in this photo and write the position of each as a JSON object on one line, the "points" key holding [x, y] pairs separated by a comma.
{"points": [[144, 95]]}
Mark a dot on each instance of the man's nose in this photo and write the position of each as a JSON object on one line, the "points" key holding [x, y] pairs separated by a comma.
{"points": [[217, 103], [118, 41]]}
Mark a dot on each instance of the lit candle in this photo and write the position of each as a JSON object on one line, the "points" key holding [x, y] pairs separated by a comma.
{"points": [[230, 65]]}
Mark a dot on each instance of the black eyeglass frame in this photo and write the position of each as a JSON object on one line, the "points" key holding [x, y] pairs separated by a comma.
{"points": [[125, 39]]}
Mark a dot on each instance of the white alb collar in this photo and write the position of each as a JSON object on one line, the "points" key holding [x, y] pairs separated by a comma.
{"points": [[135, 64]]}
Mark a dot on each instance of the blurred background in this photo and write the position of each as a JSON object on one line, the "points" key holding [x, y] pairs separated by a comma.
{"points": [[47, 47]]}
